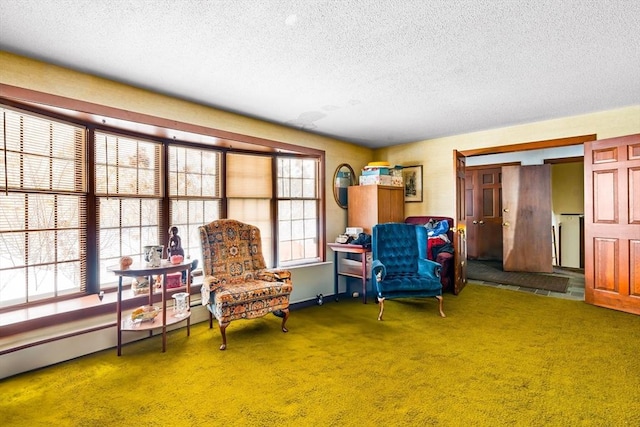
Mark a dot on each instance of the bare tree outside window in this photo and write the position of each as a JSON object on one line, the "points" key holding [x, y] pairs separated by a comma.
{"points": [[128, 183], [42, 208]]}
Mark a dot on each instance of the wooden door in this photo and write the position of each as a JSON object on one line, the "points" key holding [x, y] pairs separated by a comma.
{"points": [[612, 223], [460, 233], [526, 216], [484, 212], [390, 204], [362, 210]]}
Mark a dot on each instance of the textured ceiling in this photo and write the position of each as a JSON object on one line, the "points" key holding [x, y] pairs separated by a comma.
{"points": [[374, 72]]}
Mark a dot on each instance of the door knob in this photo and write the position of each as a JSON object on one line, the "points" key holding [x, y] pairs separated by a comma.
{"points": [[475, 222], [505, 210], [481, 222], [505, 224]]}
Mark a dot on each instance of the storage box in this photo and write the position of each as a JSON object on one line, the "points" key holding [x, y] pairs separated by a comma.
{"points": [[376, 171], [395, 181], [382, 170], [174, 280], [397, 171]]}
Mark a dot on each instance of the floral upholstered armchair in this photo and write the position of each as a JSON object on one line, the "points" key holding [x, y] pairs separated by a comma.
{"points": [[400, 268], [236, 283]]}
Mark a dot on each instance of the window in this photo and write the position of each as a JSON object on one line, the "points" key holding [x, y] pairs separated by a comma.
{"points": [[249, 196], [129, 192], [74, 199], [42, 208], [195, 194], [250, 184], [298, 210]]}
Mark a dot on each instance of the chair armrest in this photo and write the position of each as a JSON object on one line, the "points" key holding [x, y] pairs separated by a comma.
{"points": [[274, 276], [378, 271], [429, 268], [209, 284]]}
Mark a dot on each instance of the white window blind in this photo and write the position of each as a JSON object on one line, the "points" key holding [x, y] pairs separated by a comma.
{"points": [[195, 194], [249, 191], [129, 186], [249, 176], [127, 166], [42, 208]]}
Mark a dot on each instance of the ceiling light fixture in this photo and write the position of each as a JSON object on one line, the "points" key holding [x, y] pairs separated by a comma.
{"points": [[291, 20]]}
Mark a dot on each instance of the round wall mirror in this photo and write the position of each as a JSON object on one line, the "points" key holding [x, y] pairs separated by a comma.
{"points": [[342, 179]]}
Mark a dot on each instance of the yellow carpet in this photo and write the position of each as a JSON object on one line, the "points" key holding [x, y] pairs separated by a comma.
{"points": [[499, 358]]}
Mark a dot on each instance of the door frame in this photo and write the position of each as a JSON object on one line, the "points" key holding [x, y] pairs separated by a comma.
{"points": [[460, 229], [527, 146]]}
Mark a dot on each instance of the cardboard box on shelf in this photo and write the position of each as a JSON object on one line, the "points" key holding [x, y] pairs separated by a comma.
{"points": [[395, 181], [375, 171], [382, 170]]}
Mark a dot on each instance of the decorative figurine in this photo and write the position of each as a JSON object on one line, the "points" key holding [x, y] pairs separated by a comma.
{"points": [[175, 251], [140, 285], [174, 246], [153, 255], [125, 262]]}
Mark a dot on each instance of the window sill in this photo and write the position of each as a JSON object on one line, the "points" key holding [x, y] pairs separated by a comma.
{"points": [[302, 266]]}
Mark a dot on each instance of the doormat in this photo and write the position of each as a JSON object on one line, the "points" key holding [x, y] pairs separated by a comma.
{"points": [[491, 271]]}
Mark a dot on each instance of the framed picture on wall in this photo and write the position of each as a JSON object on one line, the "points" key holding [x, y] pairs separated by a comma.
{"points": [[412, 177]]}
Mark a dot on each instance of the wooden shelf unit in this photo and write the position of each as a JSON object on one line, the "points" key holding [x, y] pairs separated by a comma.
{"points": [[337, 271], [164, 318], [374, 204]]}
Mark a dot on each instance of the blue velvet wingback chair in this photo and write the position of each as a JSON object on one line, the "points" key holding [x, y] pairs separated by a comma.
{"points": [[400, 268]]}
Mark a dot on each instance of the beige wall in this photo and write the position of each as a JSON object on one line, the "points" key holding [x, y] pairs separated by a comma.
{"points": [[567, 188], [437, 158], [567, 197], [434, 154], [26, 73]]}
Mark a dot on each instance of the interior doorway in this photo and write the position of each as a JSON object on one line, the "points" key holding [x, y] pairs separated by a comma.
{"points": [[485, 233], [485, 217], [483, 192], [562, 150]]}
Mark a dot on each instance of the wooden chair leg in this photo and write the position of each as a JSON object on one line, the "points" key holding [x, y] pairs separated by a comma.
{"points": [[223, 332], [381, 304], [210, 319], [440, 300], [284, 319]]}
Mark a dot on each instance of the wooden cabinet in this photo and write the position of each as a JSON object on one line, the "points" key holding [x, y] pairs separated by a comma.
{"points": [[374, 204]]}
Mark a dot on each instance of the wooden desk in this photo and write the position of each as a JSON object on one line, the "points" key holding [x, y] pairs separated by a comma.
{"points": [[351, 249], [166, 318]]}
